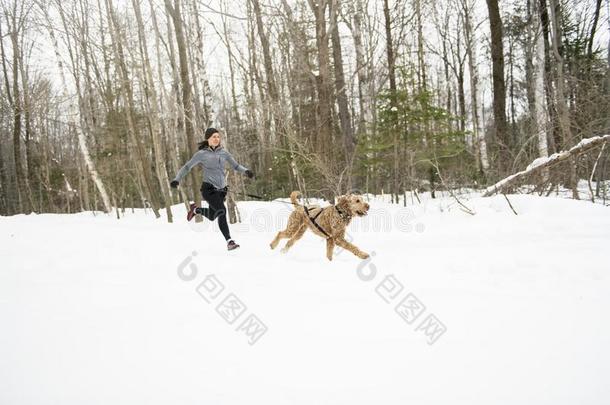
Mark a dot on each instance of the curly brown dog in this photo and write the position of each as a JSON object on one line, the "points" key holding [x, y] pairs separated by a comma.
{"points": [[329, 223]]}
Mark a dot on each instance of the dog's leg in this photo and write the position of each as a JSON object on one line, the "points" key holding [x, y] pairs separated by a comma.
{"points": [[352, 248], [294, 238], [280, 235], [291, 228], [285, 234], [330, 246]]}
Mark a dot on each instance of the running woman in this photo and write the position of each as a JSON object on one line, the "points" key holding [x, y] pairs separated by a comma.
{"points": [[212, 156]]}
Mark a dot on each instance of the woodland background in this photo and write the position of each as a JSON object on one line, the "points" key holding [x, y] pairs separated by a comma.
{"points": [[103, 101]]}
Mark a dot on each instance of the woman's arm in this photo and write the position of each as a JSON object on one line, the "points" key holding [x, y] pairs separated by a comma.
{"points": [[236, 166], [184, 170]]}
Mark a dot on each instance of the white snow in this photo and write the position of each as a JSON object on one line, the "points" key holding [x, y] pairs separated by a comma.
{"points": [[587, 141], [92, 310], [538, 161]]}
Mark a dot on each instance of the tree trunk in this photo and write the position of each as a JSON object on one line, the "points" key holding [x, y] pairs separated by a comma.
{"points": [[477, 119], [4, 206], [323, 79], [420, 47], [27, 115], [390, 51], [529, 52], [17, 111], [499, 87], [539, 116], [166, 102], [272, 90], [324, 108], [393, 101], [598, 5], [349, 142], [174, 12], [554, 138], [562, 107], [364, 96], [235, 123]]}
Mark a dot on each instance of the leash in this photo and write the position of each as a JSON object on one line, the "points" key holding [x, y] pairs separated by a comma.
{"points": [[258, 197], [343, 215]]}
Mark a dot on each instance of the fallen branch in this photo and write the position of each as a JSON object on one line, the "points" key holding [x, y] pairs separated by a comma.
{"points": [[540, 164], [509, 204]]}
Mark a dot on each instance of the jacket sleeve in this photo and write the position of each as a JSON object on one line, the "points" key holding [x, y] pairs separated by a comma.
{"points": [[234, 165], [184, 170]]}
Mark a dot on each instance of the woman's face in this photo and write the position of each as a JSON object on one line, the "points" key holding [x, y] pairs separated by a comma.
{"points": [[214, 140]]}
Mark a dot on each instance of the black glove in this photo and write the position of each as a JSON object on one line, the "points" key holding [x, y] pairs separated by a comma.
{"points": [[174, 184], [249, 173]]}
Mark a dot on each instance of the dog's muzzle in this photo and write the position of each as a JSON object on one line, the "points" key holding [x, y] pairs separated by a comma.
{"points": [[364, 212]]}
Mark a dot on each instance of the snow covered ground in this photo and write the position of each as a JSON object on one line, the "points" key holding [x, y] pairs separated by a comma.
{"points": [[451, 308]]}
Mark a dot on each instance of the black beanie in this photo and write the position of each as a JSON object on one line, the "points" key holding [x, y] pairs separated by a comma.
{"points": [[209, 132]]}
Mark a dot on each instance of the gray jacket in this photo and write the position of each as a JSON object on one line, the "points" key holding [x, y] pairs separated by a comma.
{"points": [[213, 162]]}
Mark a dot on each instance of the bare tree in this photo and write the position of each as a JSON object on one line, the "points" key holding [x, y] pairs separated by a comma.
{"points": [[345, 119], [499, 87], [539, 114], [475, 91], [187, 105], [561, 103], [390, 50]]}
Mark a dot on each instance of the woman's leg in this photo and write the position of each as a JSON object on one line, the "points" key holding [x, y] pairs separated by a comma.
{"points": [[221, 213], [206, 192], [216, 210], [206, 212]]}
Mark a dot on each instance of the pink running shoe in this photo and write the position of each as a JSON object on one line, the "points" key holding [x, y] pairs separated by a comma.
{"points": [[191, 213]]}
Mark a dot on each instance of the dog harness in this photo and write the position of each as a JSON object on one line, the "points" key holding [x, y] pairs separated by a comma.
{"points": [[345, 216]]}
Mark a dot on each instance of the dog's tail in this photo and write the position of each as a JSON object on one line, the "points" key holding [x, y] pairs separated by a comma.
{"points": [[293, 197]]}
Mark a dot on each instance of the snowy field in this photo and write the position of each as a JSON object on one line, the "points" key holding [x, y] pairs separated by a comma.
{"points": [[451, 308]]}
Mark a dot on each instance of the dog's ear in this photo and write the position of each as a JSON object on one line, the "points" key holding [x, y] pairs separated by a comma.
{"points": [[343, 202], [348, 197]]}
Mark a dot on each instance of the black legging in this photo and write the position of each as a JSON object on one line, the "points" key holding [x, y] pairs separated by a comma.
{"points": [[216, 199]]}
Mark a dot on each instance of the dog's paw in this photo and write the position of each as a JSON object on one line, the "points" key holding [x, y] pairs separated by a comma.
{"points": [[330, 258], [284, 250], [364, 256]]}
